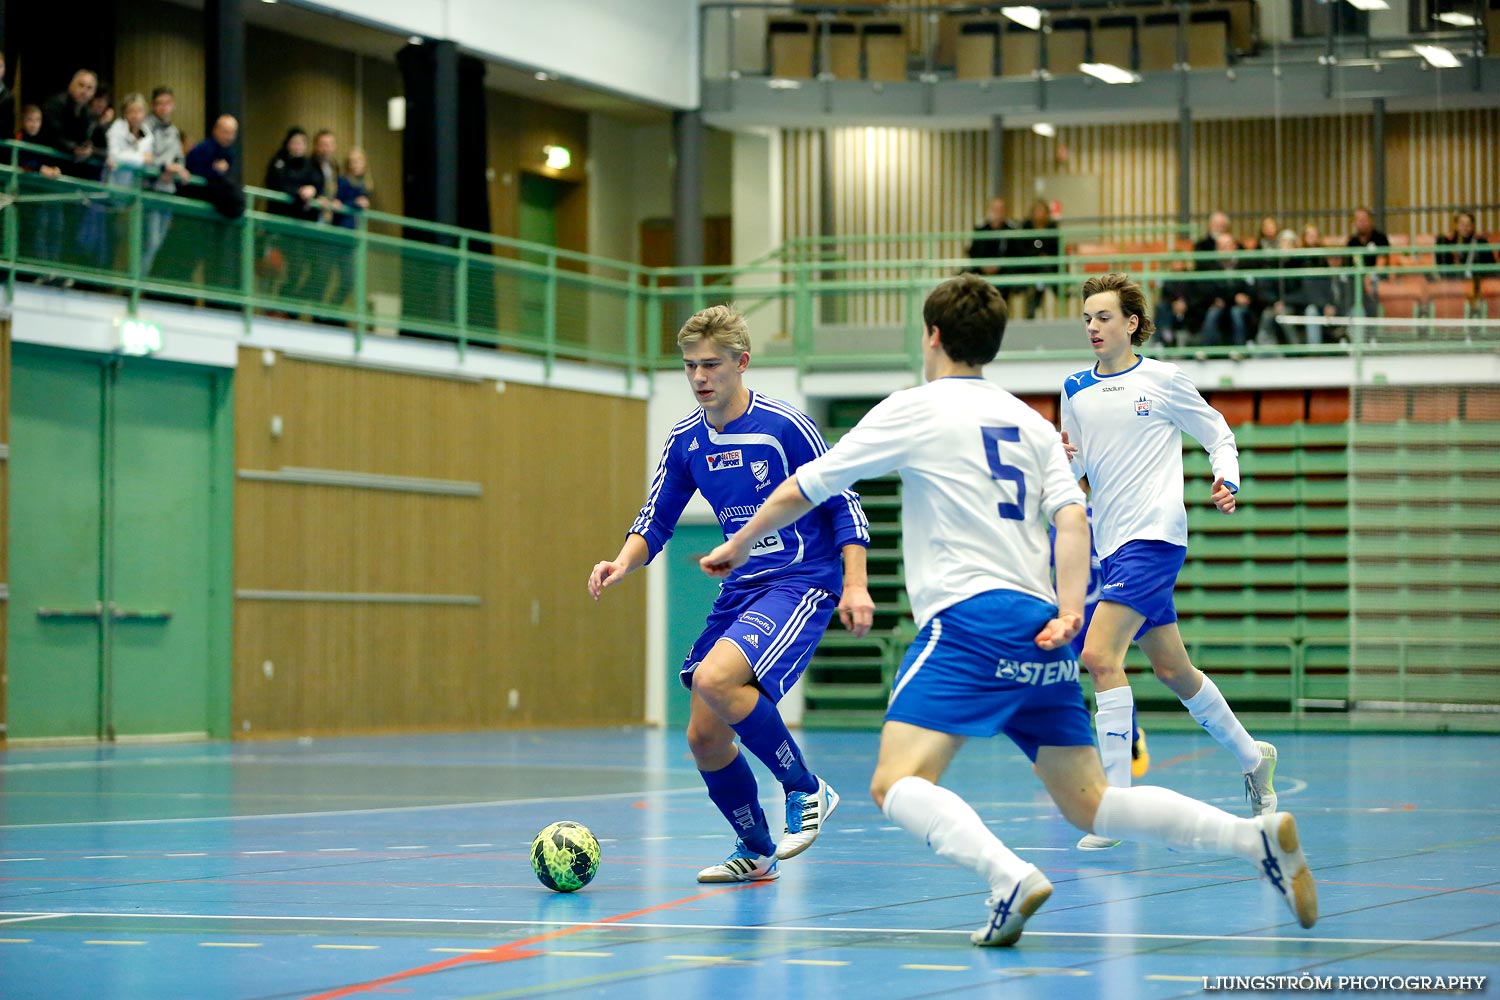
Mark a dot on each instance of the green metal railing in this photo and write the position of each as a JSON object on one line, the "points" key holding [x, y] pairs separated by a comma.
{"points": [[390, 274]]}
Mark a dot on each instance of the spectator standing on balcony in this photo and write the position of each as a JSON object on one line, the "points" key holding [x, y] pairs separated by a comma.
{"points": [[1320, 295], [325, 254], [1285, 293], [7, 103], [992, 248], [66, 124], [290, 173], [354, 190], [1461, 237], [41, 239], [1042, 243], [129, 157], [210, 165], [1122, 421], [102, 113], [167, 154]]}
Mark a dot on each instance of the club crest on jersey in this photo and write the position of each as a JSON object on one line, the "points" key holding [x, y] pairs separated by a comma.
{"points": [[724, 460], [761, 469], [1143, 407]]}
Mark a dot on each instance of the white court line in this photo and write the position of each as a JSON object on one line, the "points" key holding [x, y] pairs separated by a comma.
{"points": [[646, 794], [39, 916], [4, 861], [781, 928]]}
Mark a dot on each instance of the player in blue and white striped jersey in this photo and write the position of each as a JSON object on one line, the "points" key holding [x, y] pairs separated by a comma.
{"points": [[982, 475], [1122, 422], [771, 613]]}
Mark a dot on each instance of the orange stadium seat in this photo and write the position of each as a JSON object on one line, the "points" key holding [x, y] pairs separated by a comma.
{"points": [[1449, 299], [1096, 250], [1434, 405], [1402, 297], [1328, 406], [1283, 406]]}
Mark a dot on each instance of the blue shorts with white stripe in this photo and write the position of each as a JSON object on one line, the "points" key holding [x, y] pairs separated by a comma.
{"points": [[776, 627]]}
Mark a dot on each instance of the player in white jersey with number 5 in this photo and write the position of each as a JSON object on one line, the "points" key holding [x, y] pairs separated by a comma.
{"points": [[982, 475], [1122, 423]]}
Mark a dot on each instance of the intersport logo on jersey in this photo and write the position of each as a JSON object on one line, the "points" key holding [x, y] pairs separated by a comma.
{"points": [[725, 460]]}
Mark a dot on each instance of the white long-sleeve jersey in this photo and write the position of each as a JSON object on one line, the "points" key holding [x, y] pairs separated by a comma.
{"points": [[982, 476], [1128, 428]]}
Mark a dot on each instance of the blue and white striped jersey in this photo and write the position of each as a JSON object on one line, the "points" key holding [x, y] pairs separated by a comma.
{"points": [[735, 470]]}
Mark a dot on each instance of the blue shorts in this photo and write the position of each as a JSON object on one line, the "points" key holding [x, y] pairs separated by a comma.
{"points": [[1141, 575], [777, 628], [975, 670]]}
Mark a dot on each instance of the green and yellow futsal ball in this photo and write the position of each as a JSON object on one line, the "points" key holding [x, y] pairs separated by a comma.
{"points": [[565, 856]]}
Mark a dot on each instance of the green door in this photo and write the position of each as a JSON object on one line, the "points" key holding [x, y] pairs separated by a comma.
{"points": [[536, 223], [117, 531], [56, 508]]}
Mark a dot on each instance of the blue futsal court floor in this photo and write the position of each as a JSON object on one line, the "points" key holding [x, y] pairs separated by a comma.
{"points": [[399, 866]]}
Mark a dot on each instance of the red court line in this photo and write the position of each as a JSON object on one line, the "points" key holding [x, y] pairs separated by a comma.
{"points": [[518, 949]]}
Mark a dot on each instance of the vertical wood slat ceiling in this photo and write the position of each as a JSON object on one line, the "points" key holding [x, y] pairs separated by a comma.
{"points": [[888, 181]]}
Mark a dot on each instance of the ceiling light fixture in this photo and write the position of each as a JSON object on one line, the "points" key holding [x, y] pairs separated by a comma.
{"points": [[1370, 4], [1456, 19], [1438, 56], [1031, 17], [558, 157], [1044, 129], [1109, 73]]}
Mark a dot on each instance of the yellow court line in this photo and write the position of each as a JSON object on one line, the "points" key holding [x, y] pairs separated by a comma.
{"points": [[349, 947], [15, 940], [813, 961], [114, 942], [583, 954], [938, 968], [229, 944]]}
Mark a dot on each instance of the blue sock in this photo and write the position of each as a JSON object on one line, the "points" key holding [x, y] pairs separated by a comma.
{"points": [[764, 734], [733, 790]]}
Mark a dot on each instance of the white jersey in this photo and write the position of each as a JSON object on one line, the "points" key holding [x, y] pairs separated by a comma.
{"points": [[982, 476], [1128, 428]]}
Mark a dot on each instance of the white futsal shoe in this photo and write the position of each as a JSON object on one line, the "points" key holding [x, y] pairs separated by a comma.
{"points": [[1008, 914]]}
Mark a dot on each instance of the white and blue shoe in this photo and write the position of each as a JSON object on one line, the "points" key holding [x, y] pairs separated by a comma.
{"points": [[742, 865], [806, 812], [1283, 865], [1009, 913]]}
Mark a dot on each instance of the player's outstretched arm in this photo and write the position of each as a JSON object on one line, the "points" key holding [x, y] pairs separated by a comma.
{"points": [[1071, 552], [785, 504], [1222, 496], [856, 607], [633, 554]]}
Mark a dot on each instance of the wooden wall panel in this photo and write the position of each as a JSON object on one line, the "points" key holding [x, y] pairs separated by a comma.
{"points": [[158, 44], [292, 81], [379, 81], [560, 474], [1442, 158], [517, 132], [890, 181]]}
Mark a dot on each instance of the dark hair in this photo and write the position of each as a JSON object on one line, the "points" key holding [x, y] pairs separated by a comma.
{"points": [[1132, 301], [161, 92], [970, 312], [322, 132]]}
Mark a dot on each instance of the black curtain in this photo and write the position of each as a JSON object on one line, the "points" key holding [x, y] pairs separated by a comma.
{"points": [[444, 182]]}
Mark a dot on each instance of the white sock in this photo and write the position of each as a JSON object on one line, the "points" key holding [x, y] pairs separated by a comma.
{"points": [[1151, 813], [1214, 714], [1115, 716], [951, 827]]}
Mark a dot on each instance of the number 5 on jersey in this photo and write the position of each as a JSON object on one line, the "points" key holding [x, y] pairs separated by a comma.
{"points": [[1005, 473]]}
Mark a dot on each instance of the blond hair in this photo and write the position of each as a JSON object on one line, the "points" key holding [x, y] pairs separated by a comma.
{"points": [[721, 325]]}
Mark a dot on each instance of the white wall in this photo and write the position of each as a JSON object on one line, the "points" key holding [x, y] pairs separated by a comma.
{"points": [[647, 49]]}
